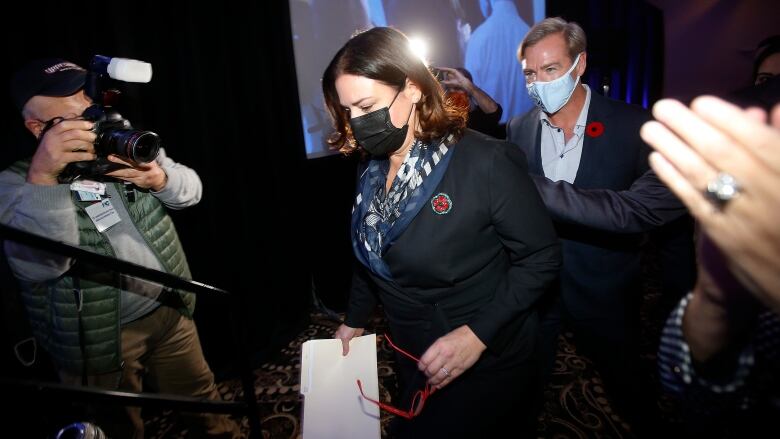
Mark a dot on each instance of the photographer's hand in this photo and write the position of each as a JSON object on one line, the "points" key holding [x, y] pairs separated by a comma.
{"points": [[145, 176], [66, 142], [457, 79]]}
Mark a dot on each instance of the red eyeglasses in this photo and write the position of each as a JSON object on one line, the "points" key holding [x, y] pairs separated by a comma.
{"points": [[418, 401]]}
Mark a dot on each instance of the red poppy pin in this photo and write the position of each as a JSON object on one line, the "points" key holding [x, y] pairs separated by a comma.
{"points": [[441, 204], [594, 129]]}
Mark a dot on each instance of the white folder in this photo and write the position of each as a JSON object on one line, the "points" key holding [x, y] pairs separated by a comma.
{"points": [[333, 407]]}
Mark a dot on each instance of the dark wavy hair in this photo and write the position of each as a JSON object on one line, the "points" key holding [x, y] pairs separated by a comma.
{"points": [[383, 54], [767, 47]]}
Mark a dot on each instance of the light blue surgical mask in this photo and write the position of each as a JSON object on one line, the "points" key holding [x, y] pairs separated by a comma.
{"points": [[551, 96]]}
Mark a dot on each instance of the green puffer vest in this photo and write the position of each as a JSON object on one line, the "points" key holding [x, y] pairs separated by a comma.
{"points": [[52, 305]]}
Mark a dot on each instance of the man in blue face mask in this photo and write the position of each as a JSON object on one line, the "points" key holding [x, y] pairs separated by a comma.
{"points": [[590, 166]]}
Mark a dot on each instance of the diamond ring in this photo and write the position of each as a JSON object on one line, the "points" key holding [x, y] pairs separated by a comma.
{"points": [[722, 189]]}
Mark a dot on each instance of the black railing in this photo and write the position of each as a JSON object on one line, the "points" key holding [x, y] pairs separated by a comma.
{"points": [[248, 407]]}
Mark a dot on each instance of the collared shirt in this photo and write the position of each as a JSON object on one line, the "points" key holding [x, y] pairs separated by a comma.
{"points": [[561, 159]]}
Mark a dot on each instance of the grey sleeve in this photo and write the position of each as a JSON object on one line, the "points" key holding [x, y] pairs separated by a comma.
{"points": [[183, 189], [43, 210]]}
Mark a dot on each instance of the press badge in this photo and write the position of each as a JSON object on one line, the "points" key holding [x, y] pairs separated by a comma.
{"points": [[88, 190], [88, 196], [90, 186], [103, 214]]}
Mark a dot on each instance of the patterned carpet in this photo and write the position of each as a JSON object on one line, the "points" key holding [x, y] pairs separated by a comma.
{"points": [[575, 402], [575, 406]]}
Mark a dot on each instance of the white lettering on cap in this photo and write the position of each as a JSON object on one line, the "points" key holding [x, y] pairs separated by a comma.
{"points": [[61, 67]]}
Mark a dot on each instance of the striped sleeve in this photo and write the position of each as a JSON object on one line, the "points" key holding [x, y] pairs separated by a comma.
{"points": [[678, 375]]}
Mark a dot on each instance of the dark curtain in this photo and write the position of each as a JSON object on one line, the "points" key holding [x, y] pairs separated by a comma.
{"points": [[625, 46], [223, 99]]}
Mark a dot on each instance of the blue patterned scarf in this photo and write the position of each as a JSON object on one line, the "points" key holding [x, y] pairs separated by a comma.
{"points": [[378, 216]]}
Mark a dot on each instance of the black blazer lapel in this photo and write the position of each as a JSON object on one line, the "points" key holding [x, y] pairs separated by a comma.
{"points": [[531, 124], [594, 148]]}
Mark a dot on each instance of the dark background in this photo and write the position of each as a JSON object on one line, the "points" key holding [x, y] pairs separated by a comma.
{"points": [[224, 101], [272, 227]]}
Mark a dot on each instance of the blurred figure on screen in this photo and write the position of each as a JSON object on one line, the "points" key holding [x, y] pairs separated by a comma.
{"points": [[490, 57], [435, 21], [319, 28]]}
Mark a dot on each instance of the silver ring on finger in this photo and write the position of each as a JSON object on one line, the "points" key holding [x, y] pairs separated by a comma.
{"points": [[722, 189], [445, 371]]}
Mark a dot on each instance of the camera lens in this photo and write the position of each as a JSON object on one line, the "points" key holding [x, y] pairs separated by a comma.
{"points": [[142, 146], [138, 146]]}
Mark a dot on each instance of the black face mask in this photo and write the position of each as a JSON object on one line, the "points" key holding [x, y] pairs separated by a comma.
{"points": [[375, 131]]}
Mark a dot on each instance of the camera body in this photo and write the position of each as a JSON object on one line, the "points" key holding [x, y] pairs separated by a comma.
{"points": [[115, 134]]}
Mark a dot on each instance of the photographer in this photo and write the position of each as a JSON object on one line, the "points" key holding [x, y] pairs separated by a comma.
{"points": [[101, 328], [484, 112]]}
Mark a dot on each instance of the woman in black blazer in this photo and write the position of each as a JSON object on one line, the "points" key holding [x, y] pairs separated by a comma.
{"points": [[451, 236]]}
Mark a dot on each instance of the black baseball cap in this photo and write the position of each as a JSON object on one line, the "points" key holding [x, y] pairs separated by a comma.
{"points": [[46, 77]]}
